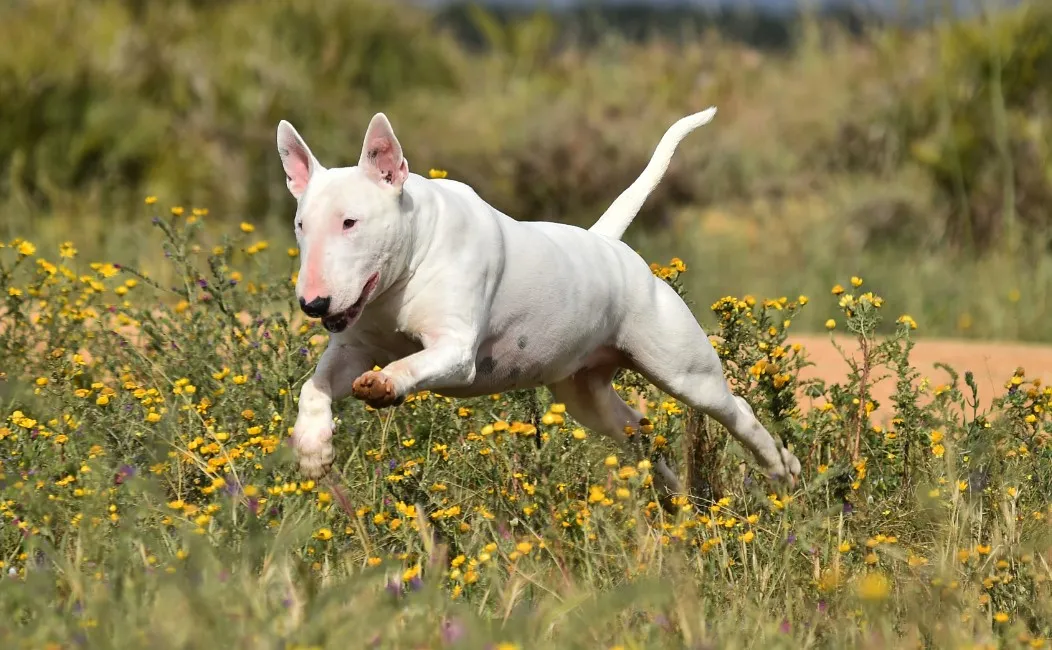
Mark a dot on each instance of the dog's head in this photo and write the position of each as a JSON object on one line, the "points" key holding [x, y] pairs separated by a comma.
{"points": [[349, 222]]}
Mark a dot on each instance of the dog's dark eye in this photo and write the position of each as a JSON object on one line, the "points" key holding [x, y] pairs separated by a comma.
{"points": [[348, 224], [299, 225]]}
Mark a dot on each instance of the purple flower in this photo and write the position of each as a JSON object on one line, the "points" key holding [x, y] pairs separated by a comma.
{"points": [[848, 508], [784, 628], [304, 351], [124, 473], [253, 505], [822, 607], [791, 539], [452, 631], [156, 220], [202, 283], [416, 583]]}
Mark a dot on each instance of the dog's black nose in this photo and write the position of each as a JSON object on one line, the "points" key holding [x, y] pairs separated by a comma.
{"points": [[317, 308]]}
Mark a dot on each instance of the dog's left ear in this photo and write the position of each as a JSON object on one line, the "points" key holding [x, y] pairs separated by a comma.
{"points": [[382, 156]]}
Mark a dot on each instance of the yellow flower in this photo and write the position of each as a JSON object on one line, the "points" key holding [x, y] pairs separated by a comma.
{"points": [[844, 547], [1001, 617], [67, 250], [837, 290], [611, 461], [524, 548], [150, 200], [177, 211], [830, 324], [247, 227], [856, 281], [294, 252], [437, 173], [579, 434], [26, 249], [748, 537], [323, 534], [907, 320], [873, 587]]}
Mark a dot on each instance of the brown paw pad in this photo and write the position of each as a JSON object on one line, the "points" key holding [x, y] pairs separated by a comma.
{"points": [[375, 389]]}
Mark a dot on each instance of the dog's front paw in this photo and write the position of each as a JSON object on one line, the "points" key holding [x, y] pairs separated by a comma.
{"points": [[312, 439], [787, 468], [376, 389]]}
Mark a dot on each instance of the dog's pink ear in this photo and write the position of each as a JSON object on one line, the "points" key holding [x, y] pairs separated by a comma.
{"points": [[382, 156], [296, 158]]}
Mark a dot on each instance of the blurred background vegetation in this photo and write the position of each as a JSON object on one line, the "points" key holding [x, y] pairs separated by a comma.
{"points": [[917, 155]]}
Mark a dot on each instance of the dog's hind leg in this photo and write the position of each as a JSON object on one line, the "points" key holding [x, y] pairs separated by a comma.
{"points": [[672, 351], [591, 400]]}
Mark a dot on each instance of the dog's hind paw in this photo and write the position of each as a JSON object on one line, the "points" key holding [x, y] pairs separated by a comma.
{"points": [[375, 389]]}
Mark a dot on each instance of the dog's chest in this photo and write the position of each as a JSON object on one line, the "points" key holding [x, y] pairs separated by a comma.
{"points": [[385, 342]]}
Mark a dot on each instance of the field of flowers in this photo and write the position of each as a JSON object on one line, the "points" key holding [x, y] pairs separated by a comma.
{"points": [[148, 496]]}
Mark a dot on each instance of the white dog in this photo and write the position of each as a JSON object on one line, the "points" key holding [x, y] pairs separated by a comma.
{"points": [[447, 294]]}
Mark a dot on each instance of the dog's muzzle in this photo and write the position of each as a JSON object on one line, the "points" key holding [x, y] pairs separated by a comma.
{"points": [[317, 308], [342, 320]]}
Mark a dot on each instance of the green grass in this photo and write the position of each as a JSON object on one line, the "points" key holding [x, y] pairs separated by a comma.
{"points": [[147, 496]]}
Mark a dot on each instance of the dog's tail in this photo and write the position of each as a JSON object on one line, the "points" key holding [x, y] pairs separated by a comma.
{"points": [[618, 217]]}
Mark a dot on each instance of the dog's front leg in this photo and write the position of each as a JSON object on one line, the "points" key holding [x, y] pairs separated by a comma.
{"points": [[332, 380], [445, 363]]}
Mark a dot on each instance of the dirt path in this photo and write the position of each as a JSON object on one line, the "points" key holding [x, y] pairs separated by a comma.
{"points": [[992, 363]]}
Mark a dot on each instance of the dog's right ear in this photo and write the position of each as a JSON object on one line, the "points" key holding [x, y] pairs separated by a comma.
{"points": [[296, 158]]}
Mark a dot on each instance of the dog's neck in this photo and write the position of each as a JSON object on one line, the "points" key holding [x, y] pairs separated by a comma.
{"points": [[417, 228]]}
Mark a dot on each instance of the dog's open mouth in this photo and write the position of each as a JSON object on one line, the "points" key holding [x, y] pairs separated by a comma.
{"points": [[341, 320]]}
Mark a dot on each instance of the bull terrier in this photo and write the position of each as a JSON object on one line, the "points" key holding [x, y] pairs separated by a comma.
{"points": [[446, 293]]}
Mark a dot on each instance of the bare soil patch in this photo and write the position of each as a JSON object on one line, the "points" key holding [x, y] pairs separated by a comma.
{"points": [[991, 362]]}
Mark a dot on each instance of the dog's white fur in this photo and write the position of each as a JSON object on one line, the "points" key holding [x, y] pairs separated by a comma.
{"points": [[470, 302]]}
